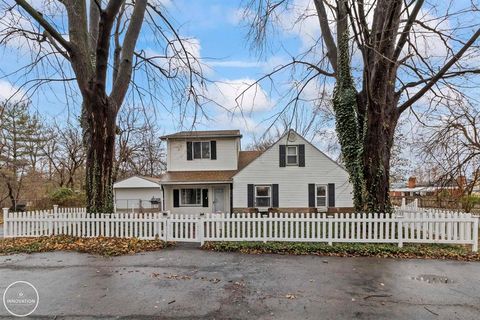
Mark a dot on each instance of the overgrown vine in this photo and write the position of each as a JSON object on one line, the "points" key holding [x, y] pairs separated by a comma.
{"points": [[347, 123]]}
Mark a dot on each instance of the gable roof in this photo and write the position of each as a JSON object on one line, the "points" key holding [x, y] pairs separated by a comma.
{"points": [[203, 134], [281, 137], [137, 181]]}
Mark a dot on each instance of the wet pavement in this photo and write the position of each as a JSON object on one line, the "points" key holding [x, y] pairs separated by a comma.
{"points": [[188, 283]]}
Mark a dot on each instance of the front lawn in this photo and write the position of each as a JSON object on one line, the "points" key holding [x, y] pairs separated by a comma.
{"points": [[424, 251], [101, 246]]}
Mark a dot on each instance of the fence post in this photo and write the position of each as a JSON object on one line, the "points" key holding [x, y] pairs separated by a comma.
{"points": [[55, 208], [475, 235], [400, 233], [404, 203], [201, 229], [50, 223], [5, 222], [330, 230]]}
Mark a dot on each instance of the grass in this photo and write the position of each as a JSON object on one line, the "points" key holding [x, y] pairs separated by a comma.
{"points": [[101, 246], [432, 251]]}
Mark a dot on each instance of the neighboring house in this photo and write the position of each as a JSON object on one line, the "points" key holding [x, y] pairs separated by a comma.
{"points": [[413, 189], [208, 172]]}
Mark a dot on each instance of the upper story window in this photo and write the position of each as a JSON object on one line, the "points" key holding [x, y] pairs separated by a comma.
{"points": [[292, 155], [201, 150]]}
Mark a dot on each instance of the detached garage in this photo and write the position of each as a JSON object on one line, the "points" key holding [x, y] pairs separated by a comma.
{"points": [[138, 194]]}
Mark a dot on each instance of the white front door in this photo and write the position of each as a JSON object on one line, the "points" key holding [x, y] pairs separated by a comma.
{"points": [[219, 200]]}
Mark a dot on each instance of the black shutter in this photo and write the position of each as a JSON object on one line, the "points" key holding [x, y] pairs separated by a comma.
{"points": [[275, 195], [331, 195], [311, 195], [204, 198], [189, 150], [301, 155], [213, 150], [250, 196], [176, 198], [282, 155]]}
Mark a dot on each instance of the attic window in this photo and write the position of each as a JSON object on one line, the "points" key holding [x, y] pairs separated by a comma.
{"points": [[292, 155]]}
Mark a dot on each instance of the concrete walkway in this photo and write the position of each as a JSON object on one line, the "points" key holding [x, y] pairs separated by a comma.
{"points": [[187, 283]]}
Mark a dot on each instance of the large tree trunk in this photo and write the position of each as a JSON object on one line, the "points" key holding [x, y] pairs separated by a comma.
{"points": [[101, 119], [377, 144]]}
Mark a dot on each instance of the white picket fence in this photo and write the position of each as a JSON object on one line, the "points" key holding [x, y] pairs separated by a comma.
{"points": [[427, 226]]}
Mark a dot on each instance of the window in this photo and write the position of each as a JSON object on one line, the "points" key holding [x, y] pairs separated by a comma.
{"points": [[190, 197], [201, 150], [292, 155], [263, 196], [321, 195]]}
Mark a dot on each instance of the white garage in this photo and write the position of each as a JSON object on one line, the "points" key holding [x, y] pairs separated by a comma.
{"points": [[138, 194]]}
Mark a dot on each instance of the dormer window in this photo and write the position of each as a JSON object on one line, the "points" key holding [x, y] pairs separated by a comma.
{"points": [[292, 155]]}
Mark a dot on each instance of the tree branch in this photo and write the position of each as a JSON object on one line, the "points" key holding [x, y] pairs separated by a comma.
{"points": [[440, 73], [44, 23], [124, 74]]}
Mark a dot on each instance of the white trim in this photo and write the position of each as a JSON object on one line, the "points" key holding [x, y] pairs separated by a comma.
{"points": [[269, 186]]}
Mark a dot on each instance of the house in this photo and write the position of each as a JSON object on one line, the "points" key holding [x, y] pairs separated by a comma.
{"points": [[208, 172]]}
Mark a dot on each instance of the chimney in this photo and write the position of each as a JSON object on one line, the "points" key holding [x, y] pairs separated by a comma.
{"points": [[412, 182]]}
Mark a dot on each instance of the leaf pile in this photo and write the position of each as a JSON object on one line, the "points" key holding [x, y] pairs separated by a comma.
{"points": [[1, 217], [432, 251], [100, 245]]}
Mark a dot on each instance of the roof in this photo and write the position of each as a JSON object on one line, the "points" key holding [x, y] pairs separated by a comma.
{"points": [[245, 157], [137, 181], [197, 176], [203, 134]]}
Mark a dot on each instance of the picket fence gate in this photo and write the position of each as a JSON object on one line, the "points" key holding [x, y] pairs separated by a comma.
{"points": [[426, 226]]}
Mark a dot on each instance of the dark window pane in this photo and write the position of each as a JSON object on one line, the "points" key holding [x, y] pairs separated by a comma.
{"points": [[191, 196], [321, 201], [292, 150], [291, 159], [321, 191], [263, 202], [263, 191], [197, 150], [205, 150]]}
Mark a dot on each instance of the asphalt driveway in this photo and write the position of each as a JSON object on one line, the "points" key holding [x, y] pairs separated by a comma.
{"points": [[187, 283]]}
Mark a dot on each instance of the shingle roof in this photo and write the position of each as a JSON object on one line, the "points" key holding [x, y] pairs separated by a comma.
{"points": [[204, 134], [245, 157], [197, 176]]}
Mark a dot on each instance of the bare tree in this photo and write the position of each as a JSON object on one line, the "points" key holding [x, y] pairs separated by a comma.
{"points": [[139, 149], [70, 42], [452, 144], [391, 71], [65, 154]]}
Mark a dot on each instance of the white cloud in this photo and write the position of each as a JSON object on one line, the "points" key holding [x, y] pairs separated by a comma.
{"points": [[10, 92], [239, 96], [245, 124]]}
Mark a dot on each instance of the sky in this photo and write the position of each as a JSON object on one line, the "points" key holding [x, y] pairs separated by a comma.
{"points": [[217, 35]]}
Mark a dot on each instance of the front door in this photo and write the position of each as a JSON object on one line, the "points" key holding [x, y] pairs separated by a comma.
{"points": [[219, 200]]}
